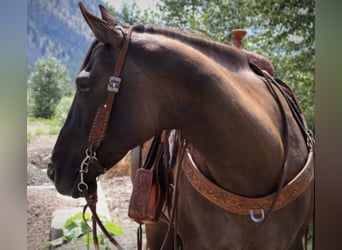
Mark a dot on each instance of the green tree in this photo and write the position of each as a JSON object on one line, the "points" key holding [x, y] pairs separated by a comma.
{"points": [[47, 84], [130, 12]]}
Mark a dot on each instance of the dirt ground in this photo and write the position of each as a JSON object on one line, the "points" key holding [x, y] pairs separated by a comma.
{"points": [[42, 203]]}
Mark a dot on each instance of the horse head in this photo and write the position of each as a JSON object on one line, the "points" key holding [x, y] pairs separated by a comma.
{"points": [[128, 125]]}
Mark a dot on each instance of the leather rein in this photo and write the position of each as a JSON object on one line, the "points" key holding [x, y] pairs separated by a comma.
{"points": [[226, 200]]}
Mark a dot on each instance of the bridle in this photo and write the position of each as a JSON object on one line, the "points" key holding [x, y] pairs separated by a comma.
{"points": [[97, 135]]}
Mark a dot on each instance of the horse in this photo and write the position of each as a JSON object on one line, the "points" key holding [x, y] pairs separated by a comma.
{"points": [[239, 132]]}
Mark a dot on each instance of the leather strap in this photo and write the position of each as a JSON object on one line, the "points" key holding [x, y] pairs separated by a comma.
{"points": [[172, 223], [100, 124], [291, 100], [241, 205], [98, 133], [91, 203]]}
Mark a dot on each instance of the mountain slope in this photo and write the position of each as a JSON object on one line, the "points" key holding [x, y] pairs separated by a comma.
{"points": [[57, 28]]}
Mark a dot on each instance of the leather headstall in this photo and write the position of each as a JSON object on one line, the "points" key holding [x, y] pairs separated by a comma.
{"points": [[100, 124], [97, 135]]}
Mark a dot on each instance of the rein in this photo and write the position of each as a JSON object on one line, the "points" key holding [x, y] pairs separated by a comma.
{"points": [[91, 203], [97, 135]]}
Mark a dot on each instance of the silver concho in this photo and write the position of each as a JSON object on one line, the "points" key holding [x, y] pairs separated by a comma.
{"points": [[114, 84]]}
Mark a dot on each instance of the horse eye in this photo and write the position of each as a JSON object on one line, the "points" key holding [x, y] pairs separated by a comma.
{"points": [[83, 88], [82, 81]]}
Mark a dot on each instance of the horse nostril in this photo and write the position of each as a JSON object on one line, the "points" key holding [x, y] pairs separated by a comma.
{"points": [[50, 171]]}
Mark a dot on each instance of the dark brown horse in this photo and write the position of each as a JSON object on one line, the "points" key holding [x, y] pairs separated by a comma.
{"points": [[225, 112]]}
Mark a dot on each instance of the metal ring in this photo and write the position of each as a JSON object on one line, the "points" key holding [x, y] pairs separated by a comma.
{"points": [[255, 219], [84, 185]]}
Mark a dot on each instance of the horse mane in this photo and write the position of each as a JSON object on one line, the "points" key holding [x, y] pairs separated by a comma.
{"points": [[226, 55], [222, 53], [175, 33]]}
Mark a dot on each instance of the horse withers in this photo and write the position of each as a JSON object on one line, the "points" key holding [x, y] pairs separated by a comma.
{"points": [[240, 131]]}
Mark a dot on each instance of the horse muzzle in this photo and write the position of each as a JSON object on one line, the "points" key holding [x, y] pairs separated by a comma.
{"points": [[76, 186]]}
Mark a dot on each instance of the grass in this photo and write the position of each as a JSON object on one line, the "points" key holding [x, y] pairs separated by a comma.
{"points": [[42, 126]]}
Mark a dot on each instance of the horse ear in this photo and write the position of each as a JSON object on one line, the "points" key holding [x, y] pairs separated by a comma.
{"points": [[103, 31], [107, 16]]}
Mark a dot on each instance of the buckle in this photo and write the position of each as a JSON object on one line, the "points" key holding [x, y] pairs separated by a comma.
{"points": [[114, 84]]}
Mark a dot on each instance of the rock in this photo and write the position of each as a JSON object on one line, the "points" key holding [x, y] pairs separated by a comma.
{"points": [[36, 176]]}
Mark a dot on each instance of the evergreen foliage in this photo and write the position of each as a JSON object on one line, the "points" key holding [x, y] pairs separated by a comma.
{"points": [[47, 84]]}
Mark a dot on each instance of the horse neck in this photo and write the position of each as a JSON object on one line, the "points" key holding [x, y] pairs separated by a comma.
{"points": [[225, 55], [219, 116], [232, 144]]}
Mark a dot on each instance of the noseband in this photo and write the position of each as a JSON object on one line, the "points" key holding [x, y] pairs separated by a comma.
{"points": [[97, 135]]}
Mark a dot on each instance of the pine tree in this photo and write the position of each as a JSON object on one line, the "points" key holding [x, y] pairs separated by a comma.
{"points": [[47, 84]]}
